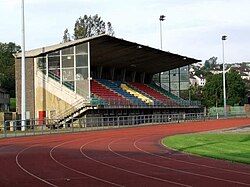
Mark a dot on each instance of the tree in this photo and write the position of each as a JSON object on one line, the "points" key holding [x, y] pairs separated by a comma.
{"points": [[110, 30], [66, 36], [212, 93], [210, 63], [236, 88], [88, 26], [7, 66]]}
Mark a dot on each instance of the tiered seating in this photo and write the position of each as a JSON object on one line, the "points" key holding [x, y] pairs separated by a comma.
{"points": [[115, 86], [169, 94], [107, 94], [137, 94], [155, 94]]}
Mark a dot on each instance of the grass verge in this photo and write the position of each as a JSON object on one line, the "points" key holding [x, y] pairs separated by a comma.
{"points": [[232, 147]]}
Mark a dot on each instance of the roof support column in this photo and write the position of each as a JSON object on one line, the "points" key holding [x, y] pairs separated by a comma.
{"points": [[133, 76], [142, 76], [123, 74], [99, 72], [112, 73]]}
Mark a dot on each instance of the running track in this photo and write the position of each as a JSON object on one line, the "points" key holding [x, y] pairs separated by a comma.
{"points": [[119, 157]]}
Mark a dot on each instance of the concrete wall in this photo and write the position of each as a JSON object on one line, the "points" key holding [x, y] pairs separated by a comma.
{"points": [[42, 93], [46, 101], [53, 97], [30, 94]]}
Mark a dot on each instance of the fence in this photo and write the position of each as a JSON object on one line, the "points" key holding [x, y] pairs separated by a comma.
{"points": [[47, 126], [12, 128], [234, 110]]}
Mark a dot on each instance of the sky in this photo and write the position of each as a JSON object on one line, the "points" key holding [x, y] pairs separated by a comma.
{"points": [[192, 28]]}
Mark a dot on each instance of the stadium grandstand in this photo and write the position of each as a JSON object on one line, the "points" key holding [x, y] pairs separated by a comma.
{"points": [[103, 76]]}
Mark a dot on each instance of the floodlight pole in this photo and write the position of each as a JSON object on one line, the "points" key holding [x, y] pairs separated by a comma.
{"points": [[162, 18], [224, 76], [23, 84]]}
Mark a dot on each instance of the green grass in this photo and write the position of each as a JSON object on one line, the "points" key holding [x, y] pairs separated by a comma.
{"points": [[233, 147], [13, 104]]}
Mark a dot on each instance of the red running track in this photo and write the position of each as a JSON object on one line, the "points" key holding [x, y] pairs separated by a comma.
{"points": [[120, 157]]}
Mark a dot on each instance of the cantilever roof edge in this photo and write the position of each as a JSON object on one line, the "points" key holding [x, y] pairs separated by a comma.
{"points": [[44, 50]]}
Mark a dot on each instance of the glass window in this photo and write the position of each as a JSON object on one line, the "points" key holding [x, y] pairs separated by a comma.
{"points": [[81, 73], [81, 60], [54, 62], [68, 51], [184, 85], [184, 77], [68, 74], [174, 71], [184, 69], [68, 61], [174, 77], [165, 86], [174, 86], [41, 63], [55, 53], [165, 77], [82, 49]]}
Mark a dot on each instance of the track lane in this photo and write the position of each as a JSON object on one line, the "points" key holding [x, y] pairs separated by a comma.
{"points": [[137, 178], [71, 156], [172, 155], [182, 172], [72, 167]]}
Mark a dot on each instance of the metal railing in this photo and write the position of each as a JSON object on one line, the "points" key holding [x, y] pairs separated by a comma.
{"points": [[117, 103], [13, 128]]}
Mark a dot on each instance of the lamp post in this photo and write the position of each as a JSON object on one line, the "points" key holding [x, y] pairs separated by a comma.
{"points": [[224, 77], [23, 91], [162, 18]]}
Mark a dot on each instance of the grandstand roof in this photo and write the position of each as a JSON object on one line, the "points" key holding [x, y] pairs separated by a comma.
{"points": [[108, 51]]}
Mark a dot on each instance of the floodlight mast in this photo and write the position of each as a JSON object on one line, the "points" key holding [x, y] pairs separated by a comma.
{"points": [[162, 18], [23, 84], [224, 76]]}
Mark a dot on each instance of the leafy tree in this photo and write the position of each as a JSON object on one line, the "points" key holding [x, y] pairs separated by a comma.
{"points": [[210, 63], [212, 93], [110, 30], [7, 66], [66, 36], [88, 26], [202, 72], [236, 88], [196, 93]]}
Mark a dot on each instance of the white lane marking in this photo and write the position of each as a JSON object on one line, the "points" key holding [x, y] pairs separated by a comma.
{"points": [[181, 171], [77, 171], [26, 171], [128, 171]]}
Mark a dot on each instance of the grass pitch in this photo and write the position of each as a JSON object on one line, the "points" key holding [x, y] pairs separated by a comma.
{"points": [[232, 147]]}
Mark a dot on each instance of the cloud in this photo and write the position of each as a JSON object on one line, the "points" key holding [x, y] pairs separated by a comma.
{"points": [[192, 27]]}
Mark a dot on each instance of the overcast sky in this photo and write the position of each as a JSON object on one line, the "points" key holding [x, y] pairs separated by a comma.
{"points": [[192, 28]]}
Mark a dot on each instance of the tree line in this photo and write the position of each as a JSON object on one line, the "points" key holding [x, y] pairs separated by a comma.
{"points": [[212, 93], [7, 66], [88, 26]]}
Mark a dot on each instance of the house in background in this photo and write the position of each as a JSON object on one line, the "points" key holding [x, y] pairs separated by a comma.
{"points": [[197, 80], [192, 79]]}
